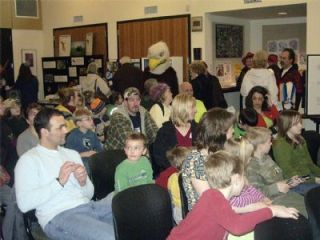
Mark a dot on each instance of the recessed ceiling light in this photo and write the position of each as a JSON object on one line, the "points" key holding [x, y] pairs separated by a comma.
{"points": [[282, 13]]}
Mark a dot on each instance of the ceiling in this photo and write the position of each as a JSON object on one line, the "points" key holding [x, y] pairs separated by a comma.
{"points": [[296, 10]]}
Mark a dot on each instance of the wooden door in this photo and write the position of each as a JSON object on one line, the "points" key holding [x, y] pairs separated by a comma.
{"points": [[134, 37]]}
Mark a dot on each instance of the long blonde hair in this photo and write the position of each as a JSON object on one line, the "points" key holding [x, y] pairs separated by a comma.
{"points": [[180, 109], [241, 148]]}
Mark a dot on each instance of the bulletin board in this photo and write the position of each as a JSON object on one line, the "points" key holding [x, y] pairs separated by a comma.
{"points": [[60, 72], [78, 34]]}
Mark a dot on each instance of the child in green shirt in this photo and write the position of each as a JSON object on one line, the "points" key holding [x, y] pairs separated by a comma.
{"points": [[136, 169]]}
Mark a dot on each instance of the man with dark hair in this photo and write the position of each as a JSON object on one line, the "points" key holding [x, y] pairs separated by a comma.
{"points": [[290, 80], [53, 180]]}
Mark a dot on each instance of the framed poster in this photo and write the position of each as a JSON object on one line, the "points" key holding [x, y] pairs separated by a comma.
{"points": [[64, 45], [312, 86], [29, 56], [26, 9], [229, 41], [196, 24]]}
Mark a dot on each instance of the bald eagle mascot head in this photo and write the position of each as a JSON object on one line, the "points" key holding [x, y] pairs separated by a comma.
{"points": [[159, 58], [160, 66]]}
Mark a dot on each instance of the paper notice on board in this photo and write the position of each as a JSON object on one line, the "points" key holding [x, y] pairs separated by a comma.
{"points": [[73, 72], [49, 64], [75, 61], [61, 78]]}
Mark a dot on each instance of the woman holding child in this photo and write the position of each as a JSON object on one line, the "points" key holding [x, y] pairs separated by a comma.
{"points": [[212, 217], [215, 128], [291, 153]]}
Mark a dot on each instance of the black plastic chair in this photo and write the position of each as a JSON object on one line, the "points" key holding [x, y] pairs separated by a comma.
{"points": [[183, 196], [283, 229], [312, 201], [313, 142], [32, 226], [142, 213], [103, 166]]}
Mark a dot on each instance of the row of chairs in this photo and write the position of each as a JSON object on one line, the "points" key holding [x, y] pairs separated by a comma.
{"points": [[144, 212]]}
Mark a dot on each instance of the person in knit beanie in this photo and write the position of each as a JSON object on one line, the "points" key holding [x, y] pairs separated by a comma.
{"points": [[100, 117], [161, 110]]}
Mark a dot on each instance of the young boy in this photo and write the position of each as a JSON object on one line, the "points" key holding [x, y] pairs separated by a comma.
{"points": [[212, 216], [136, 169], [176, 156], [83, 139]]}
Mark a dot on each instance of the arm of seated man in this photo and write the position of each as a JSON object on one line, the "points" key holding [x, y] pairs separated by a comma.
{"points": [[30, 192]]}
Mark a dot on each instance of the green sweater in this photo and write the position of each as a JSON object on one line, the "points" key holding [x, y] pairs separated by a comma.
{"points": [[294, 161], [133, 173]]}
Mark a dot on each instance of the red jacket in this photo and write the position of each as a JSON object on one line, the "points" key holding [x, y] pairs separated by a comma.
{"points": [[212, 217], [292, 75], [272, 114]]}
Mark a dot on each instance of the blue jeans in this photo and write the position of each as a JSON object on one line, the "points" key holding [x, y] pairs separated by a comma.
{"points": [[91, 221], [303, 188]]}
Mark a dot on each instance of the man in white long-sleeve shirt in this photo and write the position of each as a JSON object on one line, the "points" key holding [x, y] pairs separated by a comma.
{"points": [[53, 180]]}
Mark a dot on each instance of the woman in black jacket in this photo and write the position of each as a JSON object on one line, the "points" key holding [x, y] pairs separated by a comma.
{"points": [[28, 86], [179, 131]]}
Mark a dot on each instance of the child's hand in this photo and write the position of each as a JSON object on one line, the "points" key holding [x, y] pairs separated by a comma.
{"points": [[284, 212], [295, 181], [267, 201], [283, 186]]}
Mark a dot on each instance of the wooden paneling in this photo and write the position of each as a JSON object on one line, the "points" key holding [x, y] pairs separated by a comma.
{"points": [[78, 33], [134, 37]]}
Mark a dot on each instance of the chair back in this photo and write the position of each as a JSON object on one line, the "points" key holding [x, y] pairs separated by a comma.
{"points": [[184, 199], [142, 213], [103, 166], [312, 202], [283, 229], [313, 142]]}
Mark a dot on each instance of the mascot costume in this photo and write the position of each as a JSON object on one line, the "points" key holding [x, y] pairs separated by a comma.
{"points": [[160, 66]]}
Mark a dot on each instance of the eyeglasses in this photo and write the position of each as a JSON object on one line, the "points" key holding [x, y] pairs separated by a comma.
{"points": [[87, 119]]}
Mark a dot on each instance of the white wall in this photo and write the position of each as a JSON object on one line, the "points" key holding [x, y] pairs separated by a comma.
{"points": [[210, 37], [28, 39], [256, 29]]}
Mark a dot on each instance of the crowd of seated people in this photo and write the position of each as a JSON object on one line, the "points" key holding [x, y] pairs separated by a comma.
{"points": [[221, 156]]}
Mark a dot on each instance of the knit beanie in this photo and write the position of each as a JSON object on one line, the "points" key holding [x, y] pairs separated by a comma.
{"points": [[97, 105], [248, 55], [273, 59], [157, 91]]}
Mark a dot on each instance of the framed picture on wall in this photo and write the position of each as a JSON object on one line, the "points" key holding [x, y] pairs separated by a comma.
{"points": [[26, 9], [196, 24], [229, 41], [29, 56]]}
